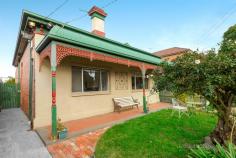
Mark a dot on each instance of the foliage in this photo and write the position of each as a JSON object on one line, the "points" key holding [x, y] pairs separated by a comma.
{"points": [[218, 152], [214, 78], [11, 80], [182, 97], [228, 45], [155, 135], [60, 125]]}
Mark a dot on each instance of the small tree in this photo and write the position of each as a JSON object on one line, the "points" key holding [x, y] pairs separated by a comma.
{"points": [[211, 75], [228, 44], [11, 80]]}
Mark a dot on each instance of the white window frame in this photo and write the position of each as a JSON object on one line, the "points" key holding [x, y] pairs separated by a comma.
{"points": [[134, 74], [82, 80]]}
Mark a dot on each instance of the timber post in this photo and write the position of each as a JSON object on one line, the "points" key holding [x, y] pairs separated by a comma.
{"points": [[143, 70], [54, 107]]}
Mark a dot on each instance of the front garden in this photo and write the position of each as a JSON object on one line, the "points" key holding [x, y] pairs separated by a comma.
{"points": [[156, 135]]}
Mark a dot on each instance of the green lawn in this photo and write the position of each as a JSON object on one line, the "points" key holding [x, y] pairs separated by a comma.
{"points": [[155, 135]]}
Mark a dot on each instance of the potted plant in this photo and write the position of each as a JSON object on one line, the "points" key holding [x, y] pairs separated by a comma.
{"points": [[61, 130]]}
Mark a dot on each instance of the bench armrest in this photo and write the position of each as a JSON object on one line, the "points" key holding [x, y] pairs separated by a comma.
{"points": [[136, 101]]}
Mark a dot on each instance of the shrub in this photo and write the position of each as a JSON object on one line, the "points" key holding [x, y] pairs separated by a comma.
{"points": [[219, 151]]}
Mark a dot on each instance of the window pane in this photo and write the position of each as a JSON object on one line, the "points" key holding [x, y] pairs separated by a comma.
{"points": [[133, 82], [91, 79], [139, 83], [76, 79], [104, 80]]}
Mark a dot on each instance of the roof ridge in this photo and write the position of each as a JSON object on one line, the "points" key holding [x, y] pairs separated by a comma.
{"points": [[85, 32]]}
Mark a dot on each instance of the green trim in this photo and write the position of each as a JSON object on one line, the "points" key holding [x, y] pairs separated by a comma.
{"points": [[30, 84], [144, 96], [40, 18], [53, 84], [53, 71], [144, 104], [99, 16], [60, 34], [53, 55], [54, 122], [53, 68]]}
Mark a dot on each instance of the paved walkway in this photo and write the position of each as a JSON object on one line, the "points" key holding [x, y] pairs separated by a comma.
{"points": [[79, 147], [16, 141]]}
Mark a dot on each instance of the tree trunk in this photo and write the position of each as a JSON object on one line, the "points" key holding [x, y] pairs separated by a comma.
{"points": [[223, 131]]}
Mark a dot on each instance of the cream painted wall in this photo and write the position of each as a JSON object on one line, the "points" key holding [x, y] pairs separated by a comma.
{"points": [[97, 24], [70, 107]]}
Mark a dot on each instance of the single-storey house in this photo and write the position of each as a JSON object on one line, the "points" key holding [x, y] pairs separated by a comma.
{"points": [[66, 72], [171, 54]]}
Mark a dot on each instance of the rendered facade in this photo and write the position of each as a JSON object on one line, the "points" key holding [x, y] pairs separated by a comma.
{"points": [[68, 73]]}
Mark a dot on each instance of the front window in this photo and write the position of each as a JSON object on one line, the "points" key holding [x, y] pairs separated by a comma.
{"points": [[88, 80], [137, 81]]}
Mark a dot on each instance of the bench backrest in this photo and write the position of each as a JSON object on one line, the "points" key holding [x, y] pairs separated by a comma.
{"points": [[124, 100]]}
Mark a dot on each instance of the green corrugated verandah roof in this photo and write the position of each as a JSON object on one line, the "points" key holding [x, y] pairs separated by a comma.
{"points": [[72, 35]]}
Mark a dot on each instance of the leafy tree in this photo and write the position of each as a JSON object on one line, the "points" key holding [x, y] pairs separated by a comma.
{"points": [[212, 75], [11, 80], [228, 45]]}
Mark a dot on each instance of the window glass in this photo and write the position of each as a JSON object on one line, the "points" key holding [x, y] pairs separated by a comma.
{"points": [[85, 80], [91, 80], [76, 79], [137, 81], [104, 78], [133, 82]]}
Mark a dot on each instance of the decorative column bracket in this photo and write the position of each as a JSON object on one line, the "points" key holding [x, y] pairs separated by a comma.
{"points": [[57, 52]]}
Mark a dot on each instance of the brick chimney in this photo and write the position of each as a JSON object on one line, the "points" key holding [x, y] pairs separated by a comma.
{"points": [[97, 16]]}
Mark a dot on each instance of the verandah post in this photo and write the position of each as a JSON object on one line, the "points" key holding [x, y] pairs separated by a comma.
{"points": [[143, 70], [54, 107]]}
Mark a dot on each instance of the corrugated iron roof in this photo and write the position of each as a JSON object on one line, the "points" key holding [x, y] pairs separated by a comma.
{"points": [[76, 36]]}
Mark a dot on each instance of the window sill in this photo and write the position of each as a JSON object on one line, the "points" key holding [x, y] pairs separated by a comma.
{"points": [[78, 94], [138, 90]]}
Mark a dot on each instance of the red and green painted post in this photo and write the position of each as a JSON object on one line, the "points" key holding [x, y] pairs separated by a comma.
{"points": [[54, 107], [144, 95]]}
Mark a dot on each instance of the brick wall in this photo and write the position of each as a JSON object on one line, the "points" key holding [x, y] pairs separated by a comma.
{"points": [[24, 81]]}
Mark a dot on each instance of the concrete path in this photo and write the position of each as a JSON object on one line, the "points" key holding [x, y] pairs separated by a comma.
{"points": [[16, 141]]}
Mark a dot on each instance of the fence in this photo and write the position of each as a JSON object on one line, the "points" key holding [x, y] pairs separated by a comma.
{"points": [[166, 96], [9, 97]]}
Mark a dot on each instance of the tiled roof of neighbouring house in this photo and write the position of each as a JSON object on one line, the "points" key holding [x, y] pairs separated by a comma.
{"points": [[171, 51]]}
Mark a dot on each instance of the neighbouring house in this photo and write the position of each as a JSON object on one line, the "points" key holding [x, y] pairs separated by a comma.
{"points": [[70, 73], [171, 54]]}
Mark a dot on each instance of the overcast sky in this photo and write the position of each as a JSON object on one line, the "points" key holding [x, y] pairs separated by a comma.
{"points": [[146, 24]]}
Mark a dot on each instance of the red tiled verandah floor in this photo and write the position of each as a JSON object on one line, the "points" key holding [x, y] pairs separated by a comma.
{"points": [[77, 125], [83, 146], [82, 126]]}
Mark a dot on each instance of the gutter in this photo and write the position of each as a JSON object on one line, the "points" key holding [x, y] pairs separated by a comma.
{"points": [[47, 39]]}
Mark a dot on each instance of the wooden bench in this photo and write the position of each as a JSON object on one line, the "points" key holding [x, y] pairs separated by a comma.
{"points": [[124, 103]]}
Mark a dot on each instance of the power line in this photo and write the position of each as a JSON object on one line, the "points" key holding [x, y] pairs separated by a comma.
{"points": [[84, 15], [214, 27], [109, 3], [77, 18], [57, 8]]}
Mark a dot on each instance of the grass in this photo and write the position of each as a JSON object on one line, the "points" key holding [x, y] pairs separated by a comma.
{"points": [[155, 135]]}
